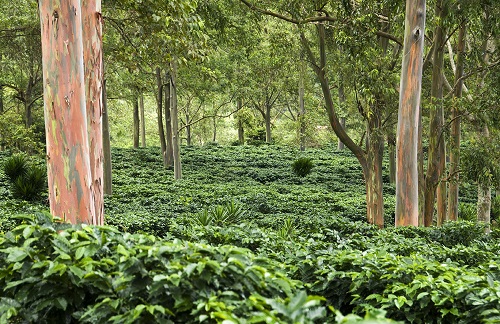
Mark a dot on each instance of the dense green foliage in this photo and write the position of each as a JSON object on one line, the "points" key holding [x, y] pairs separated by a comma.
{"points": [[28, 181], [243, 239], [302, 166]]}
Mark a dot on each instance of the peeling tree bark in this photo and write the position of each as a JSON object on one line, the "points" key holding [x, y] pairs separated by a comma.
{"points": [[409, 116], [455, 128], [436, 154], [93, 65], [68, 163]]}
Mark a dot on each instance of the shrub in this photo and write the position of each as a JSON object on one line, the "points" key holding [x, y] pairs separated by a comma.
{"points": [[220, 215], [30, 186], [302, 166], [27, 181], [15, 166], [57, 273]]}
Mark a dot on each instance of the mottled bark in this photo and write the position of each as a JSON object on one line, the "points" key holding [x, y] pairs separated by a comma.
{"points": [[106, 143], [391, 144], [409, 116], [436, 151], [455, 135], [143, 121], [175, 124], [373, 175], [68, 162], [93, 65], [168, 121]]}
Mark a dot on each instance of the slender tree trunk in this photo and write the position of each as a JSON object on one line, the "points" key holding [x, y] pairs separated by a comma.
{"points": [[143, 121], [408, 115], [93, 64], [188, 129], [175, 125], [106, 143], [421, 173], [28, 116], [391, 143], [340, 144], [373, 178], [320, 70], [484, 203], [159, 110], [267, 119], [302, 109], [168, 121], [1, 99], [241, 130], [1, 113], [455, 128], [214, 133], [436, 153], [136, 125], [68, 163]]}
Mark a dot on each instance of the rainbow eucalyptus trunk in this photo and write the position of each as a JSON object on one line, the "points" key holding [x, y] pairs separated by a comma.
{"points": [[373, 174], [68, 162], [436, 153], [93, 65], [409, 115], [455, 128]]}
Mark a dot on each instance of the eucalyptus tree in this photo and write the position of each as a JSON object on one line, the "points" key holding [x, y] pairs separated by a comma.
{"points": [[354, 29], [159, 34], [409, 119], [72, 65]]}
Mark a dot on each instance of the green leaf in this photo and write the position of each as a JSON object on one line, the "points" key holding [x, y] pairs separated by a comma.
{"points": [[15, 254], [63, 304]]}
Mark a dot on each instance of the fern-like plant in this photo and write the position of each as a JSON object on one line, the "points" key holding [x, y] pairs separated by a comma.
{"points": [[31, 185], [27, 181], [15, 166], [302, 166], [220, 215]]}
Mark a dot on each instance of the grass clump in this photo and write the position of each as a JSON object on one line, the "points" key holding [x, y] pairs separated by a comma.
{"points": [[27, 181], [302, 166]]}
